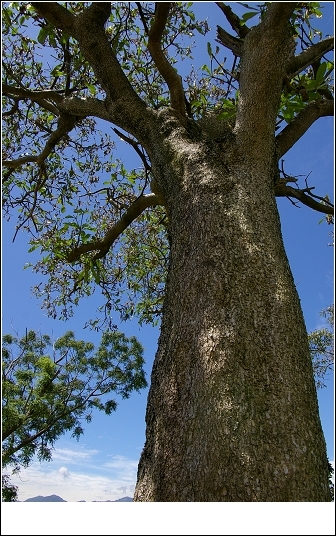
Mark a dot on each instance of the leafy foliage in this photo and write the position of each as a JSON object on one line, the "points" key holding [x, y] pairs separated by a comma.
{"points": [[9, 491], [321, 342], [63, 178], [50, 388]]}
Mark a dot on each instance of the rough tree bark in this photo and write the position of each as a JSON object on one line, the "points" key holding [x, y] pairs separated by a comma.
{"points": [[232, 411]]}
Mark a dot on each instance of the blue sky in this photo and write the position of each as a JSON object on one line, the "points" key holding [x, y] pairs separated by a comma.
{"points": [[103, 464]]}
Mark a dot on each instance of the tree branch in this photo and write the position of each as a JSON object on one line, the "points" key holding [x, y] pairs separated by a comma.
{"points": [[266, 48], [142, 17], [84, 107], [230, 42], [135, 146], [278, 14], [301, 123], [305, 196], [235, 22], [98, 11], [65, 124], [56, 14], [166, 70], [309, 56], [24, 443], [103, 246], [94, 44], [14, 108], [40, 97], [88, 29]]}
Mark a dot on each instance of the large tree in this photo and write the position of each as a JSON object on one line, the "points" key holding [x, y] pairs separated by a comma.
{"points": [[232, 410]]}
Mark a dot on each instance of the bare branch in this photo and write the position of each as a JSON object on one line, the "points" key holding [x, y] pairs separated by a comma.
{"points": [[13, 164], [56, 14], [135, 146], [31, 94], [281, 189], [103, 246], [142, 17], [166, 70], [230, 42], [40, 97], [309, 56], [65, 124], [235, 22], [301, 123]]}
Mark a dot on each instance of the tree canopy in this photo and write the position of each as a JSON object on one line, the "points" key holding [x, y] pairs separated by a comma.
{"points": [[49, 388], [95, 221]]}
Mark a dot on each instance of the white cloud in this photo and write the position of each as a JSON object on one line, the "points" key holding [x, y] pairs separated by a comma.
{"points": [[74, 486], [74, 456], [100, 481], [64, 472], [121, 463]]}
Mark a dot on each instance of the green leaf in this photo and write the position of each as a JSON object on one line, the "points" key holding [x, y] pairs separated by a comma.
{"points": [[57, 72], [206, 69], [247, 16], [321, 72], [64, 38], [43, 34], [6, 15], [92, 89], [226, 114]]}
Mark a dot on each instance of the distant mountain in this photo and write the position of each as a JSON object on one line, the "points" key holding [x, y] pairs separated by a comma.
{"points": [[49, 498], [56, 498]]}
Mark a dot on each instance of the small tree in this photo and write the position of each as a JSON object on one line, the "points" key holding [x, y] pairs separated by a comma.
{"points": [[49, 389], [321, 343]]}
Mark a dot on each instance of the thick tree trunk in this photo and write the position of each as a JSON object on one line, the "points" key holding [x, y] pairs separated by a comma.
{"points": [[232, 410]]}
